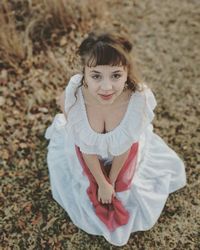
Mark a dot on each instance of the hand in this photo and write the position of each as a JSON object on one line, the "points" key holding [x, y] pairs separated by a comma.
{"points": [[105, 193], [112, 180]]}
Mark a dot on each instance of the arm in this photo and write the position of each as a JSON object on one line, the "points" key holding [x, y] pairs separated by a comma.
{"points": [[61, 103], [117, 164], [105, 189], [93, 164]]}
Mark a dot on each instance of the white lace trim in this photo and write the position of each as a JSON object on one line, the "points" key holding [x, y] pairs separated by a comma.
{"points": [[138, 116]]}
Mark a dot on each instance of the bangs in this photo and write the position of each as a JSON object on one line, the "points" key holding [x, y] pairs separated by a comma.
{"points": [[104, 54]]}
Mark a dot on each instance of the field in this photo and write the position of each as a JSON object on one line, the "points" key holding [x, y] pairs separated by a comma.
{"points": [[38, 41]]}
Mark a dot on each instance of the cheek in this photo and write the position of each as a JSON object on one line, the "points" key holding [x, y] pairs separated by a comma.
{"points": [[120, 84], [93, 87]]}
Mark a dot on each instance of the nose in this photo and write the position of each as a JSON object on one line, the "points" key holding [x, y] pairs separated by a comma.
{"points": [[106, 85]]}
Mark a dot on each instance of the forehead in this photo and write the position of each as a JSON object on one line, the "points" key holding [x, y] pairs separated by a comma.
{"points": [[105, 69]]}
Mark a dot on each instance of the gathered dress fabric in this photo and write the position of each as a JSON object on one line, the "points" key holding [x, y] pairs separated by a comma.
{"points": [[150, 173]]}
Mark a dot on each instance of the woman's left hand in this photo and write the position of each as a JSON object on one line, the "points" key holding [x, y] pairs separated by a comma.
{"points": [[112, 180]]}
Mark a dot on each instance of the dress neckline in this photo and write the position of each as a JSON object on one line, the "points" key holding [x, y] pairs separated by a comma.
{"points": [[113, 130]]}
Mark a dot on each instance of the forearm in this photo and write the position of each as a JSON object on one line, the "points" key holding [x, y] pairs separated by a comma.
{"points": [[93, 164], [117, 164]]}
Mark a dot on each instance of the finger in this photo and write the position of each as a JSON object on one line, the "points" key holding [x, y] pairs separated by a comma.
{"points": [[98, 197], [103, 201]]}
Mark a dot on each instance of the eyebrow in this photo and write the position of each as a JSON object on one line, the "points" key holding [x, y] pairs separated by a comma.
{"points": [[95, 71]]}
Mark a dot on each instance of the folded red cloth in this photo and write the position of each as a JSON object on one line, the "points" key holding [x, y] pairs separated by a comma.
{"points": [[112, 215]]}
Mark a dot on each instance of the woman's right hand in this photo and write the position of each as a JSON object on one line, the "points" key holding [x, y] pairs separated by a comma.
{"points": [[105, 193]]}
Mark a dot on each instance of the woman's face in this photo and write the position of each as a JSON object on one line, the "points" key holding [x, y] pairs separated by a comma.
{"points": [[105, 82]]}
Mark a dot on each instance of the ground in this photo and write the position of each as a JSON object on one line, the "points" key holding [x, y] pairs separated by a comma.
{"points": [[165, 36]]}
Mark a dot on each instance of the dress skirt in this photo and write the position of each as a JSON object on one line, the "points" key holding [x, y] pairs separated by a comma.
{"points": [[159, 171]]}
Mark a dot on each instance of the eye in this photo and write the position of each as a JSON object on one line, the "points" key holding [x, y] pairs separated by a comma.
{"points": [[96, 77], [116, 76]]}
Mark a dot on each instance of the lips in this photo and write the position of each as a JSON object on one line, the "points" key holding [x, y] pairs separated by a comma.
{"points": [[106, 97]]}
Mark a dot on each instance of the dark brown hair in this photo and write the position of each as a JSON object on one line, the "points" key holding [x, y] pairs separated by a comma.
{"points": [[109, 49]]}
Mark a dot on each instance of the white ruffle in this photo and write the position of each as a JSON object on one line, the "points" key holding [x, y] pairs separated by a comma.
{"points": [[138, 116], [58, 123], [70, 89]]}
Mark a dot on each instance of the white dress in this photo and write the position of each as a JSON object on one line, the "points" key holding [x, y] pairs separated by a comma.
{"points": [[159, 170]]}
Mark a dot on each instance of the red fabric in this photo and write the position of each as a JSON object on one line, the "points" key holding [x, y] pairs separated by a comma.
{"points": [[112, 215]]}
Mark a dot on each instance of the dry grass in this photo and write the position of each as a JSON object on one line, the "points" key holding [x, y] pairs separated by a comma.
{"points": [[27, 27], [12, 44], [166, 38]]}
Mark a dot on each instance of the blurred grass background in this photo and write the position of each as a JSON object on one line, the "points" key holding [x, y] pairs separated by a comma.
{"points": [[38, 41]]}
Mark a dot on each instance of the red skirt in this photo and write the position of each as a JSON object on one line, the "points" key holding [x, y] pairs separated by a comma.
{"points": [[112, 215]]}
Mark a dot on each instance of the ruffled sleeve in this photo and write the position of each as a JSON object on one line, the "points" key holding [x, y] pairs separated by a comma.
{"points": [[70, 90], [59, 122]]}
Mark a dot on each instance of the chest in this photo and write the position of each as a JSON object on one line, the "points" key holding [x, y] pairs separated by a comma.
{"points": [[102, 121]]}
